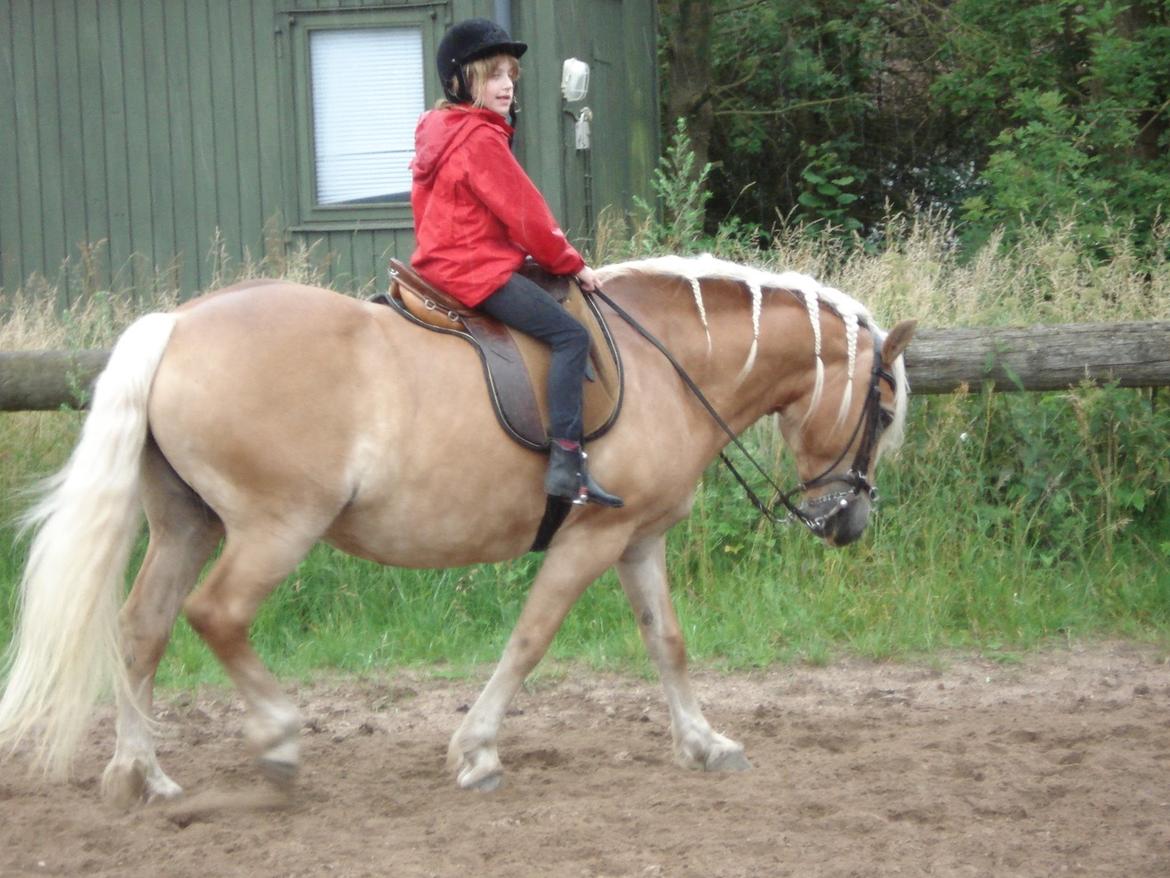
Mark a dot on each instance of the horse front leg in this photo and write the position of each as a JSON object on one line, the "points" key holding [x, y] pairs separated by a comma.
{"points": [[572, 563], [642, 571]]}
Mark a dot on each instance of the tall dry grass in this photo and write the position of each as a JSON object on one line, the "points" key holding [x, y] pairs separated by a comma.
{"points": [[914, 268]]}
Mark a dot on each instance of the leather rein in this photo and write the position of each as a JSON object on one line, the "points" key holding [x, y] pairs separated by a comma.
{"points": [[855, 479]]}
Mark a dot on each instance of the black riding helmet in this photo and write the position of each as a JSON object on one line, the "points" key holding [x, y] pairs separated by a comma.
{"points": [[465, 42]]}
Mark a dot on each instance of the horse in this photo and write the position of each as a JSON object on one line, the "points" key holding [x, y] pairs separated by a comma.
{"points": [[266, 416]]}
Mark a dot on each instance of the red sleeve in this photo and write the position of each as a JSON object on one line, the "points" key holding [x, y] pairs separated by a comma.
{"points": [[505, 189]]}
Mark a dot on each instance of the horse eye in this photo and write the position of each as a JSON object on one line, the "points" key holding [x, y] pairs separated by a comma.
{"points": [[885, 418]]}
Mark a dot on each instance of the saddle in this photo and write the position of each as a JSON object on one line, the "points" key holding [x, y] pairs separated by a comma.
{"points": [[516, 365]]}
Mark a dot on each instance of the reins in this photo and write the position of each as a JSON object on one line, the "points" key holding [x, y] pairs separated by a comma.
{"points": [[854, 478]]}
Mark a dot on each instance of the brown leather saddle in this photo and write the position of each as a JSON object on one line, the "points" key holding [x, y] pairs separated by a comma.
{"points": [[516, 365]]}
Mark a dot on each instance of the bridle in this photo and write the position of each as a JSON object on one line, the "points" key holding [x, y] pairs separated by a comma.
{"points": [[854, 479]]}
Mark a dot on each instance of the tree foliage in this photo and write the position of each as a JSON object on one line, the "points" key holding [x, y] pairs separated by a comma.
{"points": [[999, 111]]}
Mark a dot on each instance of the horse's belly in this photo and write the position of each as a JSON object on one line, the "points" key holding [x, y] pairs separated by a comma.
{"points": [[441, 528]]}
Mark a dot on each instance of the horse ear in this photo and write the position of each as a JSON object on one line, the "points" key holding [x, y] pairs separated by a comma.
{"points": [[898, 340]]}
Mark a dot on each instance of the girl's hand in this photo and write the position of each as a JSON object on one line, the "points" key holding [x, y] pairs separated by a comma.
{"points": [[587, 279]]}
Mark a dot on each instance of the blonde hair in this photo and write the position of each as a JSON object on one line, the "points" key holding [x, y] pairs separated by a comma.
{"points": [[478, 71]]}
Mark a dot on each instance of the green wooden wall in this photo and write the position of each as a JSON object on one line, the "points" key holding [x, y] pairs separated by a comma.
{"points": [[148, 141]]}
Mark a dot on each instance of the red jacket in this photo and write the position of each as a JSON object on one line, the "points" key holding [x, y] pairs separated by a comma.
{"points": [[476, 213]]}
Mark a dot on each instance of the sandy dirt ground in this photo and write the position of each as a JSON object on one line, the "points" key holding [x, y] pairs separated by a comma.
{"points": [[1059, 765]]}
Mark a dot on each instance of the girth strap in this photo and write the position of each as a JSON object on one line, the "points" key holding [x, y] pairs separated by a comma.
{"points": [[556, 510]]}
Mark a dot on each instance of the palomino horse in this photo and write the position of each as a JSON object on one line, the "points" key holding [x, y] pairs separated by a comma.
{"points": [[268, 416]]}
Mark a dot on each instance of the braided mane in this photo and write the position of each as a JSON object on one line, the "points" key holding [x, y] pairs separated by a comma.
{"points": [[697, 269]]}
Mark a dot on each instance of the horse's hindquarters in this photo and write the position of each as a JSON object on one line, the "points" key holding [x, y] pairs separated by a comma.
{"points": [[307, 409]]}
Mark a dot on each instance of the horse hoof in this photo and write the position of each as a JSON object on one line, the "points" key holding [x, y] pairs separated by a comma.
{"points": [[162, 790], [477, 768], [279, 773], [483, 777], [124, 786], [729, 760], [487, 784]]}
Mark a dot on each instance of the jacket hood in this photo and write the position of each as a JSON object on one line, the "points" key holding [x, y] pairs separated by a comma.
{"points": [[440, 131]]}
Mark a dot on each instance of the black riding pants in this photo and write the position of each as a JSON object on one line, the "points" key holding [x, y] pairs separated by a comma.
{"points": [[523, 305]]}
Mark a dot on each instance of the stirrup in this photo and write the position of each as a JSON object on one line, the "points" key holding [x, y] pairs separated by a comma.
{"points": [[591, 492], [568, 478]]}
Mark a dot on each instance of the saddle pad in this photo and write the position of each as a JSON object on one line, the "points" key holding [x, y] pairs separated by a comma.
{"points": [[516, 366]]}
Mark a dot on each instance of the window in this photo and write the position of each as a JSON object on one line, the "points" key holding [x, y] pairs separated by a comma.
{"points": [[367, 95], [360, 80]]}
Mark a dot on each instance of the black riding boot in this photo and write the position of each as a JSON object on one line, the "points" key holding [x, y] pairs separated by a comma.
{"points": [[568, 476]]}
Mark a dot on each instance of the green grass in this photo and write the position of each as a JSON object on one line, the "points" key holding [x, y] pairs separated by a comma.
{"points": [[1009, 521], [940, 569]]}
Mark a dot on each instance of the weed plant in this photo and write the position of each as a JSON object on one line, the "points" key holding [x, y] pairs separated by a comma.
{"points": [[1008, 520]]}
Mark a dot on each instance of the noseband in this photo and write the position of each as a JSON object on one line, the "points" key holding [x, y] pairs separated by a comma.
{"points": [[855, 480]]}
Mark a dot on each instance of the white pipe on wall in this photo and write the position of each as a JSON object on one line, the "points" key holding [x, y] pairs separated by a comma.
{"points": [[504, 14]]}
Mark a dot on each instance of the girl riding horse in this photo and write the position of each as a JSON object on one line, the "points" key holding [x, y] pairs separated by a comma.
{"points": [[477, 215]]}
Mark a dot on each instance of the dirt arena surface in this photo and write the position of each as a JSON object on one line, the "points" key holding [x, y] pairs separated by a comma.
{"points": [[1058, 765]]}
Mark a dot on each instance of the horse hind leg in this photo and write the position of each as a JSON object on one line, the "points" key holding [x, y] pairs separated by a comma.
{"points": [[183, 534], [222, 609]]}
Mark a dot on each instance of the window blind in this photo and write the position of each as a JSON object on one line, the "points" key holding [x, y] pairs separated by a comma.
{"points": [[367, 87]]}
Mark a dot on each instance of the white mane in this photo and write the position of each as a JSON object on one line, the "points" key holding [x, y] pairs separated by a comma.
{"points": [[852, 313]]}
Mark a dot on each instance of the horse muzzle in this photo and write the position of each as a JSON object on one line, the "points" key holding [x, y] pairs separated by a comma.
{"points": [[838, 518]]}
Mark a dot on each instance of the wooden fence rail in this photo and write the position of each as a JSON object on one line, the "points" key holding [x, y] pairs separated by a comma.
{"points": [[46, 380], [1135, 354]]}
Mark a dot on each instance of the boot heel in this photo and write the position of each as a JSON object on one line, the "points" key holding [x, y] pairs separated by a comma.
{"points": [[569, 478], [593, 492]]}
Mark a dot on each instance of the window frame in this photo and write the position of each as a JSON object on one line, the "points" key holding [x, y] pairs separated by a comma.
{"points": [[308, 214]]}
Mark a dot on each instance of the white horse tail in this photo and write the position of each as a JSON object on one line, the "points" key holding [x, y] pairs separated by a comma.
{"points": [[65, 647]]}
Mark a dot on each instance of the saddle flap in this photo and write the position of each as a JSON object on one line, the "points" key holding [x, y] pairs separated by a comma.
{"points": [[516, 366], [602, 392]]}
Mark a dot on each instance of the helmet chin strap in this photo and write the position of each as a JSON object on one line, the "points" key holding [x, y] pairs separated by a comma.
{"points": [[462, 88]]}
